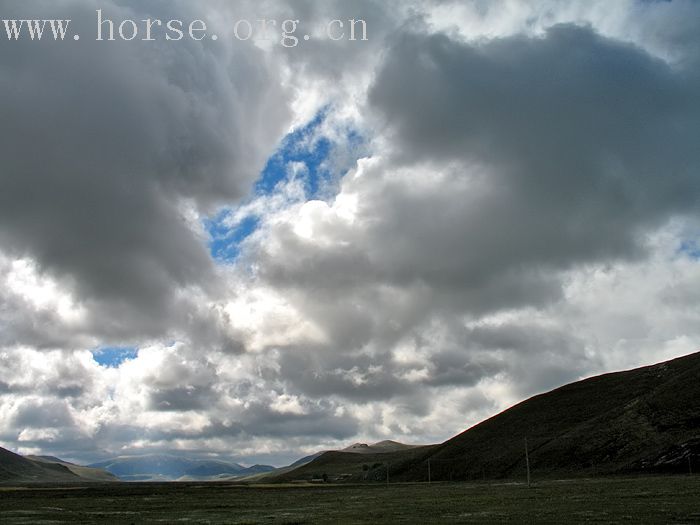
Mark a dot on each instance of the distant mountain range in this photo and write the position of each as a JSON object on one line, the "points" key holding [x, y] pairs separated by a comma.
{"points": [[28, 469], [150, 467], [167, 467], [645, 420]]}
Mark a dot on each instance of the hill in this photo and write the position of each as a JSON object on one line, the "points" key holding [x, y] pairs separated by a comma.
{"points": [[15, 468], [89, 473], [645, 420], [356, 458], [167, 467], [351, 465], [377, 448], [267, 476]]}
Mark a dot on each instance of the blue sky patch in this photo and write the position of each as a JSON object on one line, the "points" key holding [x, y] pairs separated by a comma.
{"points": [[301, 145], [691, 249], [113, 356], [320, 175], [224, 241]]}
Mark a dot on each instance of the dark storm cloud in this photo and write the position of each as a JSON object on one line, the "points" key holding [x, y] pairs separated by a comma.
{"points": [[103, 143], [346, 375], [260, 420], [585, 142], [460, 368], [42, 414], [21, 323], [182, 398]]}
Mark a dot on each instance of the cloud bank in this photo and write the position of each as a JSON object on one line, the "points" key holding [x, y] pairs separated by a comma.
{"points": [[343, 241]]}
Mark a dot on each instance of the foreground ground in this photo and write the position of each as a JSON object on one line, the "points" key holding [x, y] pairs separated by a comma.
{"points": [[636, 500]]}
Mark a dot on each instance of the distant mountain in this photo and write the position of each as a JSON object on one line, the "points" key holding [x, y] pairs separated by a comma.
{"points": [[376, 448], [351, 465], [306, 459], [88, 473], [356, 449], [645, 420], [168, 467], [207, 474], [274, 473], [15, 468]]}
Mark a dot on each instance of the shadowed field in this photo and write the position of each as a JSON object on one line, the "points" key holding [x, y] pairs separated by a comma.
{"points": [[649, 500]]}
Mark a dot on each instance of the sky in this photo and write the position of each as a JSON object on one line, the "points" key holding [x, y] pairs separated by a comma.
{"points": [[237, 249]]}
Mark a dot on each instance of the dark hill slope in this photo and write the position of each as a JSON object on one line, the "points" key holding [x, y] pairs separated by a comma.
{"points": [[642, 420], [278, 472], [377, 448], [15, 468], [87, 473], [340, 465], [357, 462]]}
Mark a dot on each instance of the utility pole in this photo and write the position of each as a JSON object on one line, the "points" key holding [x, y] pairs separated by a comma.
{"points": [[428, 472], [387, 474], [690, 464], [527, 463]]}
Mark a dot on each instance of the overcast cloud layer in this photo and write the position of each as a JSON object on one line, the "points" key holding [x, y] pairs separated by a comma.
{"points": [[509, 202]]}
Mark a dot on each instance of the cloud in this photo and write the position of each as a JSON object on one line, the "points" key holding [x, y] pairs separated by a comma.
{"points": [[580, 144], [508, 167], [522, 215], [105, 147]]}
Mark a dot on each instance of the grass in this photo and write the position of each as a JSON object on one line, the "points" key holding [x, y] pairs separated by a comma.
{"points": [[671, 499]]}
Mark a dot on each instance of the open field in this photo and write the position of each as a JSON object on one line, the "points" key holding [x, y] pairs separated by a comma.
{"points": [[632, 500]]}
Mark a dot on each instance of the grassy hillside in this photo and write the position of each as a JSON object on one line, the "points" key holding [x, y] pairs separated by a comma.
{"points": [[645, 420], [46, 469], [338, 465], [357, 462], [262, 477], [376, 448], [15, 468], [88, 473]]}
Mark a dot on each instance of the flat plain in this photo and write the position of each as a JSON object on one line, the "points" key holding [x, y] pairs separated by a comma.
{"points": [[662, 499]]}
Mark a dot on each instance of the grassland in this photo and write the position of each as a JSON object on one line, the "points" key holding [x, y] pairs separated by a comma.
{"points": [[669, 499]]}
